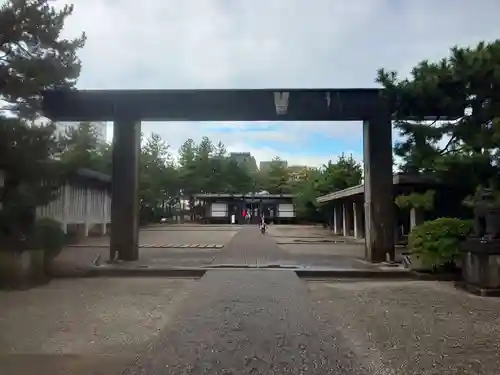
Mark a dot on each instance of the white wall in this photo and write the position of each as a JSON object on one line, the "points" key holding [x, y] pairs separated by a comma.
{"points": [[286, 210], [78, 205], [218, 210]]}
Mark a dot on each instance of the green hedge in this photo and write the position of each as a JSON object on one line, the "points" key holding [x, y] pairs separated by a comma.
{"points": [[436, 242], [50, 237]]}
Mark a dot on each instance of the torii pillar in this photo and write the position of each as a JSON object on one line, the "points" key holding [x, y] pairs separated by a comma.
{"points": [[125, 188], [379, 199]]}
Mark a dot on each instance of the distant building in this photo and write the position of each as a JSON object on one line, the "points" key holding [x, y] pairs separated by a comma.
{"points": [[297, 172], [244, 159], [265, 166]]}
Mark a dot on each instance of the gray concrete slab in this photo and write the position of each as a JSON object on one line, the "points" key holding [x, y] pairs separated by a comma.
{"points": [[193, 257], [75, 260], [192, 227], [328, 255], [314, 246], [175, 235], [413, 327]]}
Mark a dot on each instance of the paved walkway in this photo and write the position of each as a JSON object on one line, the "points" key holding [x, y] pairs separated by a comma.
{"points": [[75, 260], [250, 247], [195, 246], [253, 321], [248, 322]]}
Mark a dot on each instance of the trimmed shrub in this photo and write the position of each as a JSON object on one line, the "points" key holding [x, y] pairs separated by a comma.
{"points": [[50, 237], [436, 242], [415, 200]]}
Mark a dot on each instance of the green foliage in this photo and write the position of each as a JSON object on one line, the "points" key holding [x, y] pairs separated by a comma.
{"points": [[305, 196], [80, 147], [237, 178], [437, 242], [34, 56], [31, 179], [50, 237], [187, 170], [205, 168], [158, 180], [200, 168], [277, 178], [450, 149], [344, 173], [415, 200]]}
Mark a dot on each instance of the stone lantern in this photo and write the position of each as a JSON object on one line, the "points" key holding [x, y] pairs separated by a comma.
{"points": [[481, 258]]}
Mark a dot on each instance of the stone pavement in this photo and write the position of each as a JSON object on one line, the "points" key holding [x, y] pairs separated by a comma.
{"points": [[250, 247], [248, 322], [200, 246], [75, 260], [315, 246]]}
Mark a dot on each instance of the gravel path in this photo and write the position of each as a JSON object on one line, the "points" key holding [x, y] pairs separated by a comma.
{"points": [[92, 316], [248, 322], [413, 327], [252, 248]]}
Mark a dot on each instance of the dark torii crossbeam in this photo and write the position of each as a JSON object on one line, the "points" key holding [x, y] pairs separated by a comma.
{"points": [[127, 108]]}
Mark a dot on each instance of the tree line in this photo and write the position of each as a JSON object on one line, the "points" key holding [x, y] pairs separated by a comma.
{"points": [[167, 176]]}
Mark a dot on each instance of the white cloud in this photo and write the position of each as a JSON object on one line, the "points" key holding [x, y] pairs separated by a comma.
{"points": [[263, 44], [176, 133]]}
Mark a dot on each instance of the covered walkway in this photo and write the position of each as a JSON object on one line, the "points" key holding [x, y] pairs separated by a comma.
{"points": [[345, 209]]}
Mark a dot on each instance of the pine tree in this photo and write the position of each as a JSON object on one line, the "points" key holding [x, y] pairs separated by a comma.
{"points": [[450, 148], [33, 57]]}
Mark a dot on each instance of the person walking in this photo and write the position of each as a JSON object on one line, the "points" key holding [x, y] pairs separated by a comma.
{"points": [[262, 225]]}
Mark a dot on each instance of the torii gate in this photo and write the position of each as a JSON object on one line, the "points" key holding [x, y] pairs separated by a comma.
{"points": [[127, 108]]}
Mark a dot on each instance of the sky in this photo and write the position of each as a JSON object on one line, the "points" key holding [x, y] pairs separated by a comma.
{"points": [[199, 44]]}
